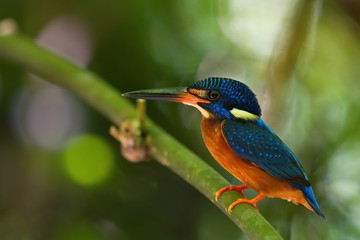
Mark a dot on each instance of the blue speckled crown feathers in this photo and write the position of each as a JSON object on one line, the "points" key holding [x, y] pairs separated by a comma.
{"points": [[234, 94]]}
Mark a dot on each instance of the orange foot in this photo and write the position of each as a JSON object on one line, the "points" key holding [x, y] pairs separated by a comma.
{"points": [[252, 202], [239, 189]]}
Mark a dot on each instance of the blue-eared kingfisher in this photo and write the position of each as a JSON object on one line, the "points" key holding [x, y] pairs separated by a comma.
{"points": [[241, 141]]}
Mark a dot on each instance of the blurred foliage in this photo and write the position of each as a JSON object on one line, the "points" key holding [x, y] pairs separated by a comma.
{"points": [[146, 44]]}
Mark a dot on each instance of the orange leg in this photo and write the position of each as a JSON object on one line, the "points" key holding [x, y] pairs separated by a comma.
{"points": [[239, 189], [252, 202]]}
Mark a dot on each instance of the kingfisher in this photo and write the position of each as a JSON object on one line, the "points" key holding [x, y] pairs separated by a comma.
{"points": [[241, 142]]}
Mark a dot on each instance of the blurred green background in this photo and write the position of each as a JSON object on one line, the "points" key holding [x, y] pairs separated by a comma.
{"points": [[61, 174]]}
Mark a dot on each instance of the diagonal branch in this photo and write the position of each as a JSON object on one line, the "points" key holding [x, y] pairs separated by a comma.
{"points": [[165, 149]]}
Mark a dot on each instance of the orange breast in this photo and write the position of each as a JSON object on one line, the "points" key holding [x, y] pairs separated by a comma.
{"points": [[244, 170]]}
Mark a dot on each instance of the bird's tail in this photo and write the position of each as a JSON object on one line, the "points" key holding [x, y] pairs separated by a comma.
{"points": [[310, 198]]}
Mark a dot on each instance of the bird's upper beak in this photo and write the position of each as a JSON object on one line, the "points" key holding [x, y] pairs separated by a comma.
{"points": [[179, 94]]}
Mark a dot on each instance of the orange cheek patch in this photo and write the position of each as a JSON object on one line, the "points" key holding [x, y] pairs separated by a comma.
{"points": [[201, 94]]}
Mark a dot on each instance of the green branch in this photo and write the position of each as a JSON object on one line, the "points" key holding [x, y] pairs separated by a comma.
{"points": [[165, 149]]}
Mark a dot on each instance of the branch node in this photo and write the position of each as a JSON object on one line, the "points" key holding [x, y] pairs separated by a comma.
{"points": [[135, 143]]}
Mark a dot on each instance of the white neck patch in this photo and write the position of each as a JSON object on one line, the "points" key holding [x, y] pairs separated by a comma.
{"points": [[204, 113], [241, 114]]}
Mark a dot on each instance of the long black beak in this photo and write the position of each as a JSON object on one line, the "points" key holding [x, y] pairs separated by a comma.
{"points": [[178, 94]]}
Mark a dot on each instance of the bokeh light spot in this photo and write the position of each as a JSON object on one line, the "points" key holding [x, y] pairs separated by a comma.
{"points": [[88, 160]]}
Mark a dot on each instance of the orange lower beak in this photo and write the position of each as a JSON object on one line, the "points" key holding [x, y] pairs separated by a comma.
{"points": [[167, 94]]}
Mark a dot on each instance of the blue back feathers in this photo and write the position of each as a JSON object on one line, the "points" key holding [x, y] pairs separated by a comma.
{"points": [[234, 94], [256, 142], [252, 140]]}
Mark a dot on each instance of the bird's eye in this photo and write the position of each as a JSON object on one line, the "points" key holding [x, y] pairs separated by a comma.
{"points": [[213, 95]]}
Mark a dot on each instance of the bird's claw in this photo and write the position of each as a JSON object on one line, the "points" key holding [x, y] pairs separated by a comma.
{"points": [[251, 202], [241, 201], [239, 189]]}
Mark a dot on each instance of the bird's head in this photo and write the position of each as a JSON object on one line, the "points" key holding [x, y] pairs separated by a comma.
{"points": [[215, 97]]}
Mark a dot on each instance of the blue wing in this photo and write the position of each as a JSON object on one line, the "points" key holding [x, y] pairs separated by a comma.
{"points": [[255, 141]]}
